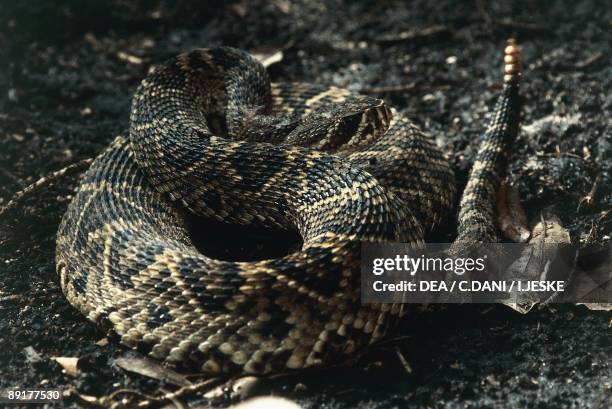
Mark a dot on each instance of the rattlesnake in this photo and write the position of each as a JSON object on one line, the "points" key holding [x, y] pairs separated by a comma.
{"points": [[210, 135]]}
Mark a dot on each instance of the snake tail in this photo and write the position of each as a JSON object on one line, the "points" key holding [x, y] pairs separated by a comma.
{"points": [[476, 221]]}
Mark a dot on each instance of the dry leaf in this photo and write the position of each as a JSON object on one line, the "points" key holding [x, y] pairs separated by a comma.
{"points": [[597, 306], [549, 230], [103, 342], [150, 368], [31, 355], [69, 363], [539, 261]]}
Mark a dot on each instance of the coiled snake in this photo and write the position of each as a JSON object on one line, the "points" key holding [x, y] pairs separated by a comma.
{"points": [[210, 135]]}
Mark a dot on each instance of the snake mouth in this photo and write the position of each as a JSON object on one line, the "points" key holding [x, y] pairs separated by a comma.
{"points": [[233, 242]]}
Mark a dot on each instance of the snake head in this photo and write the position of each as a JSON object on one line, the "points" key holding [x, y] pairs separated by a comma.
{"points": [[343, 126], [256, 124]]}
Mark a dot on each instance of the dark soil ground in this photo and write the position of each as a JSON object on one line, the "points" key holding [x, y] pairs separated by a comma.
{"points": [[68, 69]]}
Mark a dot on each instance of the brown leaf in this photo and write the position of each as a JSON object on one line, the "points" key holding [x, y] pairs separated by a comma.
{"points": [[537, 261], [549, 230], [148, 367]]}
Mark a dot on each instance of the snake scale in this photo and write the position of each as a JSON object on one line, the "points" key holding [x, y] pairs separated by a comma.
{"points": [[209, 134]]}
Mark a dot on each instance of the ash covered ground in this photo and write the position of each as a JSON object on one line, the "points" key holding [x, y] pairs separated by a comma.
{"points": [[68, 69]]}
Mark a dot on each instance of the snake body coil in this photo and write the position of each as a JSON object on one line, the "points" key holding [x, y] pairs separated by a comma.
{"points": [[209, 134]]}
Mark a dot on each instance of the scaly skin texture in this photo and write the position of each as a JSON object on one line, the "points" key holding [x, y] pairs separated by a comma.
{"points": [[210, 135], [477, 207]]}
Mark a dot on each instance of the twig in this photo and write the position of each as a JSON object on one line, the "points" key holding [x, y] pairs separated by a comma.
{"points": [[401, 88], [520, 26], [45, 181], [603, 214], [174, 400], [190, 388], [490, 22], [590, 60], [589, 197], [559, 154], [109, 401], [389, 89], [403, 360], [411, 35], [392, 341], [109, 398]]}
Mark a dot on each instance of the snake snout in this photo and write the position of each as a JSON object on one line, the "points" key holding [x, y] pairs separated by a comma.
{"points": [[343, 126], [361, 121]]}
